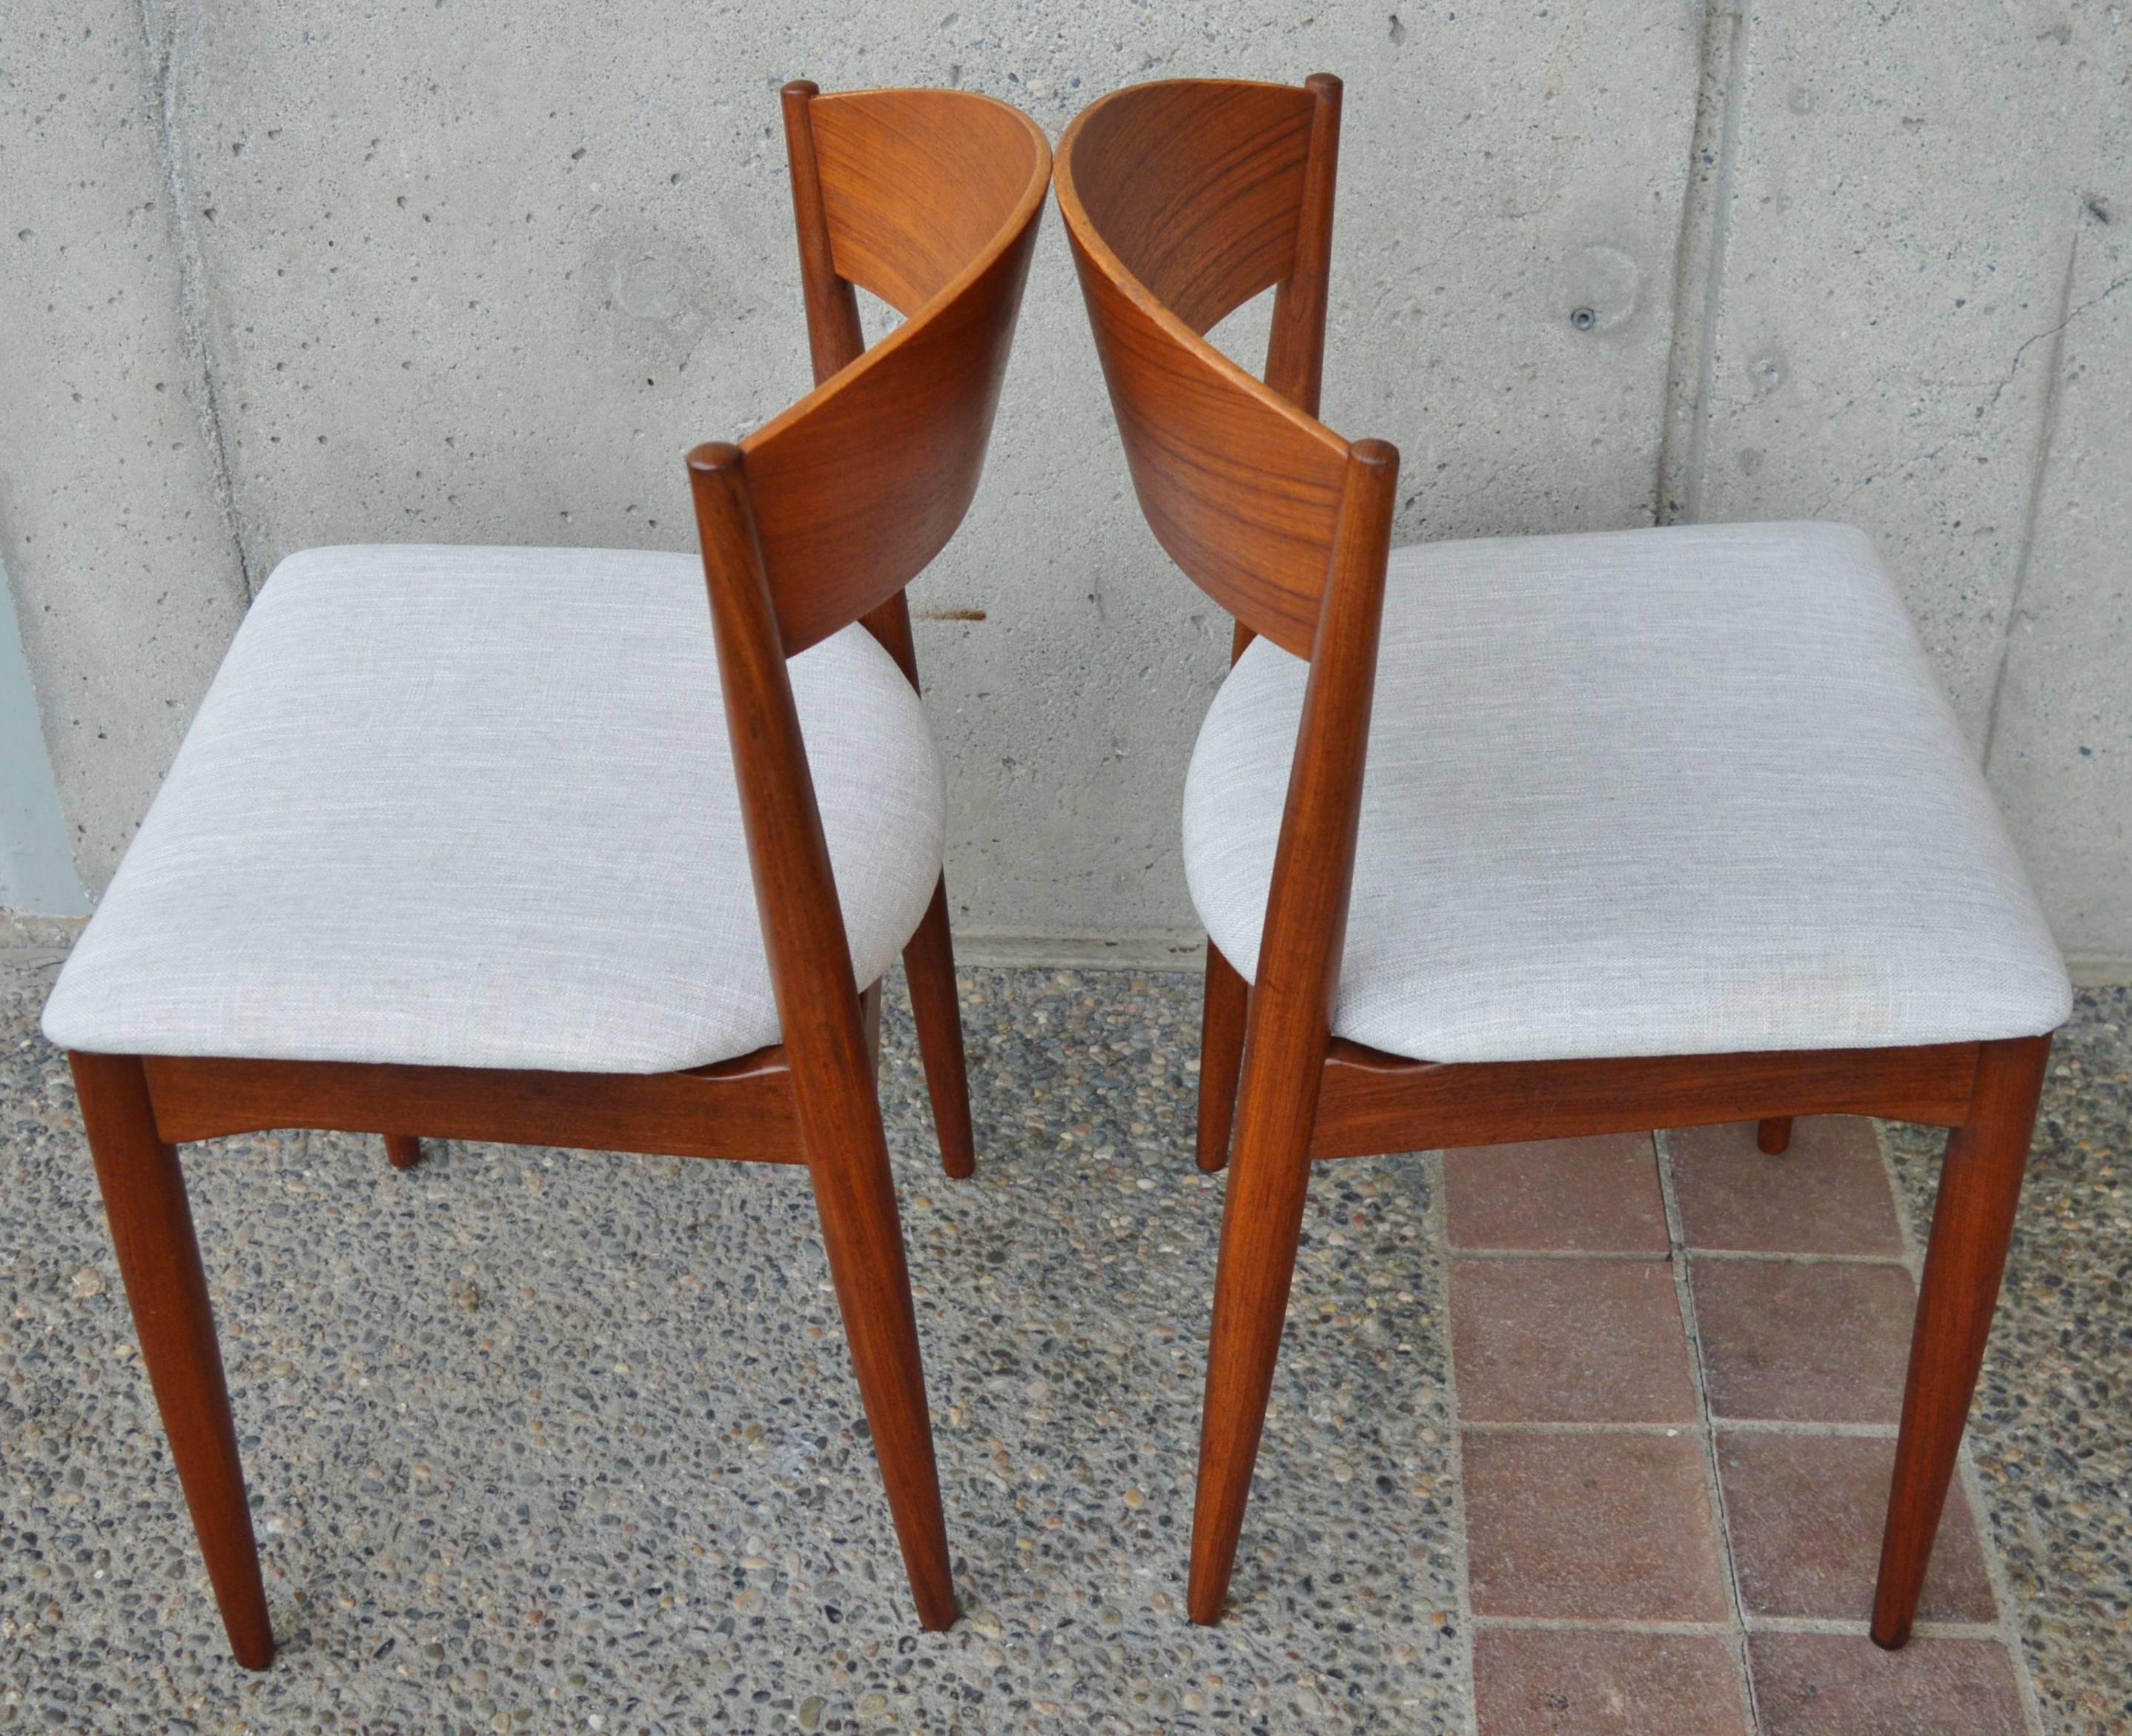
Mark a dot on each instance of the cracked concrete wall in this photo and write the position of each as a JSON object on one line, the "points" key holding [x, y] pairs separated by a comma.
{"points": [[2056, 748], [1913, 327], [113, 528], [457, 270]]}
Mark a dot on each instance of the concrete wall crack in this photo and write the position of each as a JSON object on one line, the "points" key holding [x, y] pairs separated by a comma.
{"points": [[2039, 469], [1699, 266], [158, 43]]}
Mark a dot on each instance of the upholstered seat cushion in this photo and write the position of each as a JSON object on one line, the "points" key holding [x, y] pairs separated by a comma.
{"points": [[476, 806], [1683, 791]]}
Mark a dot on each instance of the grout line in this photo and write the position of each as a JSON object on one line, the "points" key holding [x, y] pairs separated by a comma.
{"points": [[1859, 1628], [1769, 1256], [1669, 1430], [1620, 1257], [1855, 1629], [1439, 1240], [1787, 1426], [1684, 1294], [1981, 1510], [1599, 1624], [1738, 1629], [1773, 1257]]}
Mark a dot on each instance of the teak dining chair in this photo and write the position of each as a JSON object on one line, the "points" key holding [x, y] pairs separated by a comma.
{"points": [[1507, 840], [460, 842]]}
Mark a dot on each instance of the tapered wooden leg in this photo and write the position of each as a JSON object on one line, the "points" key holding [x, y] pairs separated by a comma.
{"points": [[869, 1024], [151, 1230], [1980, 1185], [1773, 1134], [1221, 1056], [856, 1198], [1261, 1221], [404, 1150], [929, 966]]}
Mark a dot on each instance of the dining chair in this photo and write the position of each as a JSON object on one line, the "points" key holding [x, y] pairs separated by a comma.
{"points": [[1519, 838], [521, 845]]}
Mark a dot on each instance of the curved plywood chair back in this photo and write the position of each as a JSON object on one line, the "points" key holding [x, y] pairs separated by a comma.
{"points": [[929, 199], [1183, 199]]}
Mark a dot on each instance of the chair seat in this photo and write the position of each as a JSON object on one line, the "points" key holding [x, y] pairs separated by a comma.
{"points": [[1684, 791], [476, 807]]}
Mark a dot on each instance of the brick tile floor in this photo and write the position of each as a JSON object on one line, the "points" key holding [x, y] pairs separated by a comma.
{"points": [[1592, 1526], [1843, 1684], [1828, 1195], [1557, 1197], [1803, 1514], [1803, 1341], [1569, 1340], [1678, 1364], [1540, 1681]]}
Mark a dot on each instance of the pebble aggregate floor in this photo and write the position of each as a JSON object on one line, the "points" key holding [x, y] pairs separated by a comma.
{"points": [[557, 1441]]}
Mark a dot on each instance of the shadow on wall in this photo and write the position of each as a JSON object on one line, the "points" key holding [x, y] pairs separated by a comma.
{"points": [[37, 875]]}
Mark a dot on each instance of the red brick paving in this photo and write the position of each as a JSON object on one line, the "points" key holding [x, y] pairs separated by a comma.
{"points": [[1590, 1494]]}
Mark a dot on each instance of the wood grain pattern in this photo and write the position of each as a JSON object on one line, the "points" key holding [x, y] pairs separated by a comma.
{"points": [[810, 970], [151, 1231], [818, 520], [1289, 1030], [856, 488], [936, 1010], [1295, 369], [1980, 1187], [1375, 1102], [1223, 1013], [737, 1109], [1181, 199], [1243, 489], [1296, 346], [837, 341], [1219, 223], [931, 198]]}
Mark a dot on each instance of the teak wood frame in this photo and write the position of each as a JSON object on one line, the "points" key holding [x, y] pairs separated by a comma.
{"points": [[1182, 201], [930, 198]]}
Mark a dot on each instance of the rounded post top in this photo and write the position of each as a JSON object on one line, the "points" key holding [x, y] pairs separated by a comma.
{"points": [[713, 457], [803, 88], [1323, 84]]}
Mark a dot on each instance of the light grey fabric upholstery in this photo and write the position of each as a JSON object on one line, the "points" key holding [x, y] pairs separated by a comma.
{"points": [[1682, 791], [476, 807]]}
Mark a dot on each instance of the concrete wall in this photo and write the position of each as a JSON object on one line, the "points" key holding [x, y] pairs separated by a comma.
{"points": [[36, 866], [281, 274]]}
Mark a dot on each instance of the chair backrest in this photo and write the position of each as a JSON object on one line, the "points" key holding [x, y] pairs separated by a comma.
{"points": [[1183, 199], [930, 198]]}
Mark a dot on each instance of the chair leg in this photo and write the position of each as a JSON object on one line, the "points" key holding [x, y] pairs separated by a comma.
{"points": [[1773, 1134], [856, 1198], [870, 1027], [929, 966], [1221, 1056], [151, 1230], [1262, 1222], [403, 1150], [1979, 1187]]}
